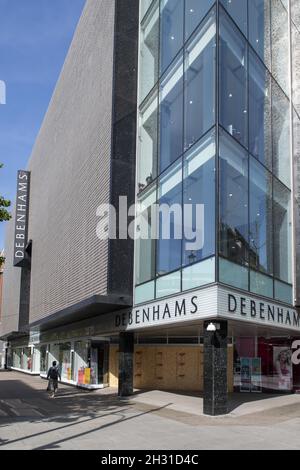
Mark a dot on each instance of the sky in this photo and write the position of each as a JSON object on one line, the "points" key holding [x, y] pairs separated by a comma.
{"points": [[35, 36]]}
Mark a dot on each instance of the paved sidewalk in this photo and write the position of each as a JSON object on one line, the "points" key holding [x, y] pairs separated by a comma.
{"points": [[80, 419]]}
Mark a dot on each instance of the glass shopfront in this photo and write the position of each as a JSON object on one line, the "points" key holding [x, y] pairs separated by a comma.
{"points": [[65, 362], [26, 359], [16, 358], [22, 358], [43, 359], [91, 362], [82, 362], [265, 365]]}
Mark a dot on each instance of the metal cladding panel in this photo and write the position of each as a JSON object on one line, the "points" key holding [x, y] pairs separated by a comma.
{"points": [[70, 171], [11, 285]]}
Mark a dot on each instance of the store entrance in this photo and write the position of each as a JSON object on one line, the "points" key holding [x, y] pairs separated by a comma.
{"points": [[98, 362]]}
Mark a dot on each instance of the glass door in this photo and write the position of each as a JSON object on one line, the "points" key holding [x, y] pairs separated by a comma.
{"points": [[99, 363]]}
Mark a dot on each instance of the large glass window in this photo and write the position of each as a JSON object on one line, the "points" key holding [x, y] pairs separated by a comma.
{"points": [[65, 361], [280, 44], [282, 232], [260, 120], [171, 115], [27, 359], [198, 274], [82, 369], [261, 284], [199, 190], [17, 355], [238, 11], [233, 81], [261, 226], [234, 243], [200, 62], [149, 51], [43, 359], [168, 285], [281, 135], [170, 220], [283, 292], [195, 11], [259, 28], [233, 274], [147, 146], [171, 30], [145, 243], [145, 292]]}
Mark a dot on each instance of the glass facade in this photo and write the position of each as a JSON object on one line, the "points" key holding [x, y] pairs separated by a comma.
{"points": [[215, 132], [22, 358], [264, 365], [82, 362]]}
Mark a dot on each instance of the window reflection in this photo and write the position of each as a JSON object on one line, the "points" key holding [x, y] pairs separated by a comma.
{"points": [[145, 243], [261, 227], [233, 81], [199, 188], [149, 51], [238, 11], [169, 193], [200, 83], [282, 232], [259, 28], [281, 135], [147, 145], [295, 12], [233, 201], [171, 115], [280, 44], [171, 30], [145, 4], [195, 11], [296, 67], [260, 119]]}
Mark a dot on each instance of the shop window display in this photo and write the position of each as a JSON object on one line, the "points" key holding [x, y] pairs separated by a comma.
{"points": [[82, 370], [264, 364], [27, 359], [16, 358], [65, 361], [43, 359]]}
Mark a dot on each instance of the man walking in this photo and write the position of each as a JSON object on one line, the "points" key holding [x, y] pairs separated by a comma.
{"points": [[53, 376]]}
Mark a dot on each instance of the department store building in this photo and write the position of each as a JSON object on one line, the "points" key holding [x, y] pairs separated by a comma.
{"points": [[166, 102]]}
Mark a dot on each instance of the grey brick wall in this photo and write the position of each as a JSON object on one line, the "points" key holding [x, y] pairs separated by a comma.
{"points": [[70, 171], [11, 286], [84, 156]]}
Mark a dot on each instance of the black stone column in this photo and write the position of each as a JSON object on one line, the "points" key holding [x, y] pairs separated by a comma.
{"points": [[215, 395], [126, 352]]}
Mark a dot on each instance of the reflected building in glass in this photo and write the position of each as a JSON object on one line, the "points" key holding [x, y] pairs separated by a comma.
{"points": [[215, 128], [219, 126]]}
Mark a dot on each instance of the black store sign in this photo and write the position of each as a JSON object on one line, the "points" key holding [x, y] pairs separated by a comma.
{"points": [[21, 218]]}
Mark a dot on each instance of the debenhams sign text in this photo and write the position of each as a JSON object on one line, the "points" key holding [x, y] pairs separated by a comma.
{"points": [[192, 308], [21, 222]]}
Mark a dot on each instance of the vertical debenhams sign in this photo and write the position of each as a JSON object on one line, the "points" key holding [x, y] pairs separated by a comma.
{"points": [[21, 220]]}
